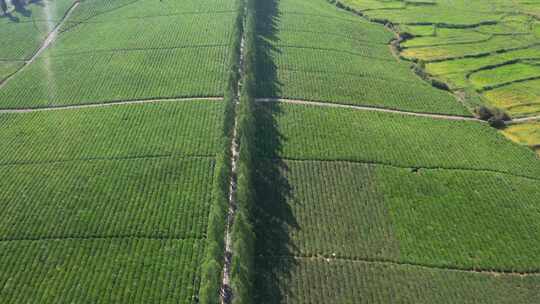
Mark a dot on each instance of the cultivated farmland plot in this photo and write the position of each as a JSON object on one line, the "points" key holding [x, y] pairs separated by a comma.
{"points": [[356, 206], [319, 53], [109, 52], [488, 49], [269, 151], [110, 204]]}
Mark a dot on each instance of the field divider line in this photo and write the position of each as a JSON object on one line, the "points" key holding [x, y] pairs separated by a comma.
{"points": [[332, 258], [417, 168], [120, 158], [523, 120], [108, 104], [44, 45], [370, 108], [103, 237]]}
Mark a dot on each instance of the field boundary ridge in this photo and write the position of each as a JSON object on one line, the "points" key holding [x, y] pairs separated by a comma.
{"points": [[330, 258], [370, 108]]}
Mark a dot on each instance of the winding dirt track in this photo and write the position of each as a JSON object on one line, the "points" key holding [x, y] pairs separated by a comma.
{"points": [[108, 104], [44, 45], [372, 109]]}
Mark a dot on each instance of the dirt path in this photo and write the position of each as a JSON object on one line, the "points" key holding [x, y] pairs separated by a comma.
{"points": [[524, 119], [372, 109], [44, 45], [334, 258], [226, 293], [108, 104]]}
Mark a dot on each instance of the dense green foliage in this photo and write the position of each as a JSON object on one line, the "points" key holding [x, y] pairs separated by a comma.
{"points": [[134, 270], [213, 261], [26, 26], [442, 218], [155, 197], [125, 131], [316, 133], [243, 238], [108, 177], [320, 281], [320, 53], [172, 50]]}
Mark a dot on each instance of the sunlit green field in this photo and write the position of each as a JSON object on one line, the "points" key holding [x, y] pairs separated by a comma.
{"points": [[112, 203], [269, 151], [332, 56], [363, 207], [485, 48]]}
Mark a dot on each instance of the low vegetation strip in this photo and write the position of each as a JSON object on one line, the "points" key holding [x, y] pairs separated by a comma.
{"points": [[242, 234], [159, 198], [291, 281], [165, 57], [99, 78], [185, 129], [161, 32], [106, 271], [340, 134], [421, 217]]}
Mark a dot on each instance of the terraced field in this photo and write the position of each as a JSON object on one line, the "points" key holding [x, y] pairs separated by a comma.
{"points": [[486, 51]]}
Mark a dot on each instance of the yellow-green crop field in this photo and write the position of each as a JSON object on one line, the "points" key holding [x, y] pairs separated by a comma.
{"points": [[489, 49]]}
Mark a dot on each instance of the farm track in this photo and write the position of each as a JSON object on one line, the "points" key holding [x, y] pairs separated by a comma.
{"points": [[108, 104], [44, 45], [369, 108], [119, 158], [524, 119], [394, 263], [417, 168]]}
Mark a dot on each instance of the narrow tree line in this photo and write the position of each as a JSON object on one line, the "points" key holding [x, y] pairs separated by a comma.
{"points": [[212, 266]]}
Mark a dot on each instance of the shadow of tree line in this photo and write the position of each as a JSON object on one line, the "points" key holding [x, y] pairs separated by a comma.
{"points": [[20, 7], [273, 215]]}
